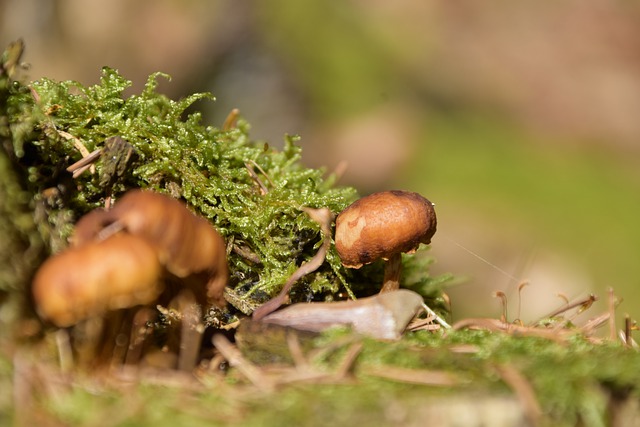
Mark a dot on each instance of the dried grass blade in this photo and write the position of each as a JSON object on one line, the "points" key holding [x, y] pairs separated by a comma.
{"points": [[523, 389], [248, 369], [413, 376]]}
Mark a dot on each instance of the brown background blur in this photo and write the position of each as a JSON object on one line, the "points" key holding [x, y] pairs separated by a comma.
{"points": [[520, 120]]}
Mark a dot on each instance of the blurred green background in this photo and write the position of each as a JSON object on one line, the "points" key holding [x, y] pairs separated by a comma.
{"points": [[520, 120]]}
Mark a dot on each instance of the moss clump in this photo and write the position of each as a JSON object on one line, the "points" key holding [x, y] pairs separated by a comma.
{"points": [[251, 191], [21, 245]]}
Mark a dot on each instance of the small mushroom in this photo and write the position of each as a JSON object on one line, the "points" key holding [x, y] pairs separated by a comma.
{"points": [[119, 272], [383, 226]]}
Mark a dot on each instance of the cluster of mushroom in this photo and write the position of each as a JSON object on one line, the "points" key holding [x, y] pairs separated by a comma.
{"points": [[122, 257]]}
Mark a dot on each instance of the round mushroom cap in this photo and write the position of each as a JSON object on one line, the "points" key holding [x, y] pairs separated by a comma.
{"points": [[382, 225], [118, 272]]}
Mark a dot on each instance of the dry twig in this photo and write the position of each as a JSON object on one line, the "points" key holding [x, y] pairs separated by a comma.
{"points": [[263, 188], [612, 314], [87, 158], [248, 369], [232, 120], [523, 389], [413, 376], [583, 305], [496, 325]]}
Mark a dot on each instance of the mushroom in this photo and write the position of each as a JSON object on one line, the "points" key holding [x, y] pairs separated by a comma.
{"points": [[382, 226], [118, 272]]}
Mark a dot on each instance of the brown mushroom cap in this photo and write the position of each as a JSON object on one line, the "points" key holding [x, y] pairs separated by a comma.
{"points": [[382, 225], [121, 271], [186, 243]]}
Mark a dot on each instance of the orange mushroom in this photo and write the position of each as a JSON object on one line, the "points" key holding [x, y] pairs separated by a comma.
{"points": [[119, 272], [383, 226]]}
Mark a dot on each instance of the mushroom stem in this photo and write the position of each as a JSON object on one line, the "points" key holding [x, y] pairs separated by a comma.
{"points": [[392, 269]]}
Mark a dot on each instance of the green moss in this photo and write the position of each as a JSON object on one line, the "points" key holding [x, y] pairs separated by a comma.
{"points": [[574, 380], [18, 229], [176, 153]]}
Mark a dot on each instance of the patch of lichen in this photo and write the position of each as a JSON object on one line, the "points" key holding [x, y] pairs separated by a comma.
{"points": [[251, 191]]}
